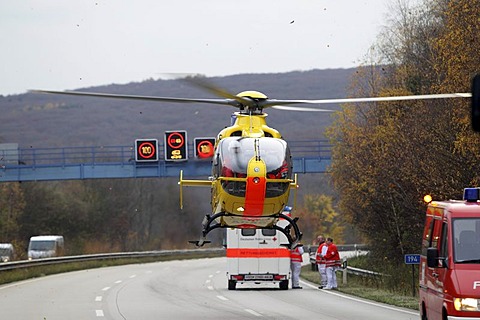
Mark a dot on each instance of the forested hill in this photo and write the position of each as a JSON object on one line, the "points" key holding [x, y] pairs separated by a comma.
{"points": [[41, 120]]}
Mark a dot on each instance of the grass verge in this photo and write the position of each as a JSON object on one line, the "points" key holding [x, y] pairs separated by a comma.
{"points": [[357, 287]]}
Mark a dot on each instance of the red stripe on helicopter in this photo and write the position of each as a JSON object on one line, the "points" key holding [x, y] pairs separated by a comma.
{"points": [[255, 196], [258, 253]]}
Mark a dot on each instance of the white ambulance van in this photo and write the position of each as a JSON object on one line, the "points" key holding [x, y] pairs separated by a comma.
{"points": [[450, 259], [257, 256]]}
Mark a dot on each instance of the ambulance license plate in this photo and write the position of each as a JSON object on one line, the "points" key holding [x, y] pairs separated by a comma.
{"points": [[258, 277]]}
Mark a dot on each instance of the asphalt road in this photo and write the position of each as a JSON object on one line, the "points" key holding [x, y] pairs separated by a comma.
{"points": [[188, 289]]}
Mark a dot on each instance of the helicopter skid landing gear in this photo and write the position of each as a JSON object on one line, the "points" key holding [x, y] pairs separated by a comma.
{"points": [[206, 228], [199, 243], [209, 224], [292, 241]]}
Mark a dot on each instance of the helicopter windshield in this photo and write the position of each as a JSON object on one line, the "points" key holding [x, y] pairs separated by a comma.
{"points": [[235, 153]]}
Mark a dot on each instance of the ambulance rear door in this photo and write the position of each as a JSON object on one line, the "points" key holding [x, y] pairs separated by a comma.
{"points": [[274, 258]]}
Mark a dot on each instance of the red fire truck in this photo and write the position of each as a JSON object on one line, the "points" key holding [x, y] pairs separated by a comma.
{"points": [[450, 259]]}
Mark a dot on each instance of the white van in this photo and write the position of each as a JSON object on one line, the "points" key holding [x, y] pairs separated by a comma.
{"points": [[7, 253], [257, 256], [45, 247]]}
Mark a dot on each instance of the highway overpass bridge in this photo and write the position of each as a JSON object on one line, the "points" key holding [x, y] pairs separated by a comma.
{"points": [[108, 162]]}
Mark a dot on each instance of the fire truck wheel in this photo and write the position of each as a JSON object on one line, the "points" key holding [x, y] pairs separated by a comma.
{"points": [[231, 284], [424, 312]]}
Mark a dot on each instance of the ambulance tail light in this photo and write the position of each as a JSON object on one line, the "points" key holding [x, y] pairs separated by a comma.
{"points": [[280, 277], [237, 277], [471, 194]]}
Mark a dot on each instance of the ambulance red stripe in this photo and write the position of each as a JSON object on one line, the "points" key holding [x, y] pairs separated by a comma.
{"points": [[258, 253]]}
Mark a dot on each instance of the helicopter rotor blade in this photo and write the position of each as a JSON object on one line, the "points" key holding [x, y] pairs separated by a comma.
{"points": [[272, 102], [230, 102], [292, 108], [219, 92], [241, 102]]}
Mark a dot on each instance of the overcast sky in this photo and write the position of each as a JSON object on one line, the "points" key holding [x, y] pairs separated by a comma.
{"points": [[72, 44]]}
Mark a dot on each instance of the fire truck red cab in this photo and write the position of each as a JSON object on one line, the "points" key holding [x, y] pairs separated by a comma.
{"points": [[450, 260]]}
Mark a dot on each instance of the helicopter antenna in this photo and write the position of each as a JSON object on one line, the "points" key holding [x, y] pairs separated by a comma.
{"points": [[257, 150], [251, 121]]}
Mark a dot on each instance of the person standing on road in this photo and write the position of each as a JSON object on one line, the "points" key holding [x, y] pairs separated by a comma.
{"points": [[332, 258], [296, 265], [321, 262]]}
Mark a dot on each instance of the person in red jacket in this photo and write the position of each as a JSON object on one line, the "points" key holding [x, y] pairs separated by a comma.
{"points": [[296, 265], [332, 258], [321, 262]]}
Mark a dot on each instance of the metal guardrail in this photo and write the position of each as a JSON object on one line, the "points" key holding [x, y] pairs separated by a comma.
{"points": [[106, 256], [351, 270], [141, 254], [342, 247], [362, 272]]}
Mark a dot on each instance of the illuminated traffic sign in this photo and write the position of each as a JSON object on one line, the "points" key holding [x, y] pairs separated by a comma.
{"points": [[176, 145], [204, 147], [146, 150]]}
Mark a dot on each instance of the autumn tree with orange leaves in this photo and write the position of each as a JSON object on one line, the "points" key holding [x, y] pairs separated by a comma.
{"points": [[388, 155]]}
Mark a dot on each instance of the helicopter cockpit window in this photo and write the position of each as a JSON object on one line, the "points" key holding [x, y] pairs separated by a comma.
{"points": [[233, 156], [235, 153]]}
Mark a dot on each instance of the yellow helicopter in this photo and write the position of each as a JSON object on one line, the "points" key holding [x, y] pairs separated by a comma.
{"points": [[251, 168]]}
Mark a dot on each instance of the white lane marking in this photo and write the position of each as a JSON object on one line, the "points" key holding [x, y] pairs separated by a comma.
{"points": [[210, 276], [118, 281], [132, 276], [210, 288], [106, 288], [359, 300], [98, 298], [222, 298], [208, 281], [99, 313], [218, 271], [253, 312]]}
